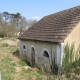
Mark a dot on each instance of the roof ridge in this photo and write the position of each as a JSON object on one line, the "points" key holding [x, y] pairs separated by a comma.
{"points": [[78, 7]]}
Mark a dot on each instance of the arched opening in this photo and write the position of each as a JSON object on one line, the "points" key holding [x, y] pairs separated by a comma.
{"points": [[33, 56], [24, 47], [45, 54], [24, 50]]}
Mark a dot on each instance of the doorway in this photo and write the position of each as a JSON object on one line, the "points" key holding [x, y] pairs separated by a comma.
{"points": [[33, 57]]}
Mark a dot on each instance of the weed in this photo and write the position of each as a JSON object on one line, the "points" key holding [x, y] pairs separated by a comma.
{"points": [[69, 65]]}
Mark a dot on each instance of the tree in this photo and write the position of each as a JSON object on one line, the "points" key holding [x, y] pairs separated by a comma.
{"points": [[1, 32], [22, 24], [31, 22], [4, 23], [12, 23], [16, 17], [5, 15], [9, 23], [5, 27]]}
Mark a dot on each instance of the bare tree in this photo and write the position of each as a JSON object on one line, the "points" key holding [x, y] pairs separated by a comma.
{"points": [[31, 22], [22, 24], [11, 24], [5, 17], [1, 32]]}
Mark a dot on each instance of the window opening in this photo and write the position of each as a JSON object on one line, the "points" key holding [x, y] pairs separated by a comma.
{"points": [[24, 47], [45, 54]]}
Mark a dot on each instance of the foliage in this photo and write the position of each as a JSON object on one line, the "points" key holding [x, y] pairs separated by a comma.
{"points": [[69, 59], [13, 23]]}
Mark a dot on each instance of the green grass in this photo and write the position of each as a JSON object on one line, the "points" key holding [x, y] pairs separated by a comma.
{"points": [[39, 78], [40, 72], [28, 71], [22, 63], [12, 68], [73, 67]]}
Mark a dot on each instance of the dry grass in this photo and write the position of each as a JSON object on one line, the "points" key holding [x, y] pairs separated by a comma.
{"points": [[12, 68]]}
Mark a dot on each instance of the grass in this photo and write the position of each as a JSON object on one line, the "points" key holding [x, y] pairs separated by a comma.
{"points": [[70, 67], [5, 45], [22, 63], [12, 68], [39, 78]]}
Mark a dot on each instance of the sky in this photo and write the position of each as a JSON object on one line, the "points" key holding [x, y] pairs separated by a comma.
{"points": [[36, 9]]}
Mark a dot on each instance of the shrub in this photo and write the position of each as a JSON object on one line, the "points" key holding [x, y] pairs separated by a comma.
{"points": [[68, 59]]}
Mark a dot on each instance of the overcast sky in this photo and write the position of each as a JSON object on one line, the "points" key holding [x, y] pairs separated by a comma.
{"points": [[36, 9]]}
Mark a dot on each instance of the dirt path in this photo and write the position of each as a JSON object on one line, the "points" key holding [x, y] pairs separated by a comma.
{"points": [[11, 42]]}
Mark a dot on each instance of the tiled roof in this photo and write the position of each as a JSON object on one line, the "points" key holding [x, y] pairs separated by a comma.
{"points": [[54, 27]]}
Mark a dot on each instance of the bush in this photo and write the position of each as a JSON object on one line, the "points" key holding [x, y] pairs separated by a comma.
{"points": [[68, 59]]}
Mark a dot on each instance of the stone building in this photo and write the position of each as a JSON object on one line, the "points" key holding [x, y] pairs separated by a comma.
{"points": [[42, 45]]}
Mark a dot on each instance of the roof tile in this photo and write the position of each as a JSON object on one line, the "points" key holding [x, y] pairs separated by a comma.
{"points": [[54, 27]]}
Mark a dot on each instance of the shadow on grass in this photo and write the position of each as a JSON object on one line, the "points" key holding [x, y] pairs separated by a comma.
{"points": [[17, 54]]}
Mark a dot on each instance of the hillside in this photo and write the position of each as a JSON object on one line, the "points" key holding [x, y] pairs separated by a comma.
{"points": [[13, 68]]}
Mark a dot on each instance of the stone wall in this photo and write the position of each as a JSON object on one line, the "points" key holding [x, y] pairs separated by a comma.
{"points": [[39, 47]]}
